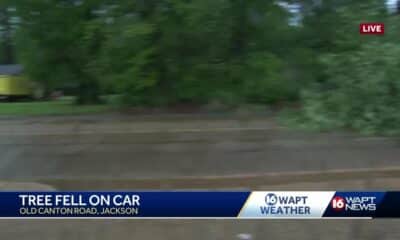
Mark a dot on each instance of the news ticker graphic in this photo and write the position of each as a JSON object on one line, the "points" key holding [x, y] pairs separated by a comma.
{"points": [[200, 204]]}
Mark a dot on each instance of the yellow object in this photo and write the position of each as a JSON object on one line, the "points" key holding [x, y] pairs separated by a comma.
{"points": [[15, 86]]}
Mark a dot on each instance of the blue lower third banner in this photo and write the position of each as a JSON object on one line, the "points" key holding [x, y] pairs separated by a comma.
{"points": [[204, 204]]}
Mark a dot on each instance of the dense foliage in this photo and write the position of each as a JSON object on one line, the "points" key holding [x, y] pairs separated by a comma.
{"points": [[156, 53], [359, 83], [160, 52]]}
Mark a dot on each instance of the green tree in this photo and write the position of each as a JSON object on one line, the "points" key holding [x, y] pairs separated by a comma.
{"points": [[164, 52], [359, 89], [8, 23], [54, 45]]}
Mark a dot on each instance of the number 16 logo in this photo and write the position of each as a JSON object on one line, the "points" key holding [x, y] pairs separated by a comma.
{"points": [[338, 203]]}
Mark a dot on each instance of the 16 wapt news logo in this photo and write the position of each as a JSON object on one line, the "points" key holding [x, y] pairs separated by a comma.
{"points": [[354, 203]]}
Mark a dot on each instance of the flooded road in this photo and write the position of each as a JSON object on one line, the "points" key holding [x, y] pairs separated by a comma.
{"points": [[119, 148]]}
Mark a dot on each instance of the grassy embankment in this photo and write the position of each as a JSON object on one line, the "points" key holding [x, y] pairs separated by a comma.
{"points": [[64, 106]]}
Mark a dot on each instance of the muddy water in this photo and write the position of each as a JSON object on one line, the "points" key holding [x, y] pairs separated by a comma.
{"points": [[198, 230], [126, 149]]}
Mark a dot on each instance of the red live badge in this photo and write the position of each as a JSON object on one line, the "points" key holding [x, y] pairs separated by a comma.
{"points": [[372, 28]]}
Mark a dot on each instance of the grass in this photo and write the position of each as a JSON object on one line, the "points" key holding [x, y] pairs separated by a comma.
{"points": [[64, 106]]}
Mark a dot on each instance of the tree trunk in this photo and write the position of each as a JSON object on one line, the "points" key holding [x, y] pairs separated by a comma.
{"points": [[88, 92]]}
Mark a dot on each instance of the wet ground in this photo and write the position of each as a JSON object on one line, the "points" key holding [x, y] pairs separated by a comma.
{"points": [[118, 148], [196, 151]]}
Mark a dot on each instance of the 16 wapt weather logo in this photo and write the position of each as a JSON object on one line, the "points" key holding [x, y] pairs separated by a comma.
{"points": [[286, 204]]}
